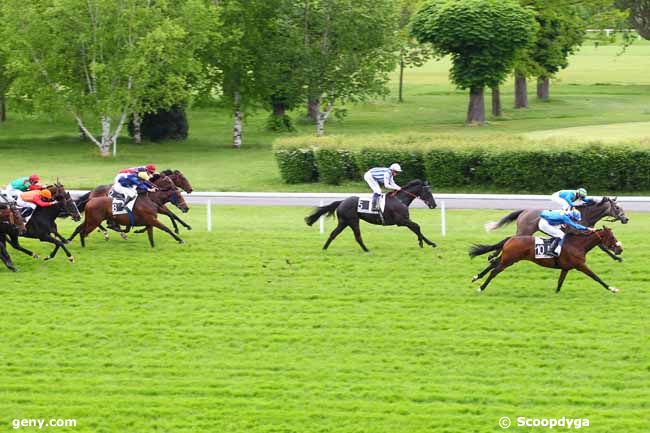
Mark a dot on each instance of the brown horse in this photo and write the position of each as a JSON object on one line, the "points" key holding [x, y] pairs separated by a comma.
{"points": [[10, 221], [528, 219], [176, 176], [145, 212], [572, 256]]}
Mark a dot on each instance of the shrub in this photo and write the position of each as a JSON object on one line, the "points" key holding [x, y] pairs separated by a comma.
{"points": [[296, 165], [336, 165]]}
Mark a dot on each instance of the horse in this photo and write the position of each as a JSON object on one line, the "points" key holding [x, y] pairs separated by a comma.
{"points": [[573, 255], [145, 211], [42, 224], [10, 221], [528, 219], [176, 176], [396, 212]]}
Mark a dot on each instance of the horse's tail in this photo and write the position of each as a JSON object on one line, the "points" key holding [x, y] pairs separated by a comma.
{"points": [[81, 201], [477, 250], [493, 225], [329, 210]]}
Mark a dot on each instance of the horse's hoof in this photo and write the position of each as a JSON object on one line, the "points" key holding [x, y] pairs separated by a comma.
{"points": [[189, 228], [614, 290], [13, 269], [35, 256], [124, 236], [71, 259], [181, 242], [46, 258], [474, 278], [105, 236], [433, 245], [479, 290]]}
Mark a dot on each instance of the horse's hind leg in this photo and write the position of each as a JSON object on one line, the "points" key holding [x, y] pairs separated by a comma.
{"points": [[58, 244], [339, 228], [6, 259], [13, 241], [149, 231], [354, 225], [501, 264], [481, 274]]}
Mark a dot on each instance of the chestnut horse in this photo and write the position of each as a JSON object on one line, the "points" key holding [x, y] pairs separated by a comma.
{"points": [[10, 221], [145, 212], [573, 255], [176, 176]]}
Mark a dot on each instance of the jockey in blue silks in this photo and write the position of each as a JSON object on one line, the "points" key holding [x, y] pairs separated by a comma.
{"points": [[568, 198], [550, 222], [384, 175]]}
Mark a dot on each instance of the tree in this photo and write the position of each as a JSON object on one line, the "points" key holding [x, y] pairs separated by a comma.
{"points": [[350, 48], [5, 81], [411, 53], [482, 37], [96, 59], [639, 15]]}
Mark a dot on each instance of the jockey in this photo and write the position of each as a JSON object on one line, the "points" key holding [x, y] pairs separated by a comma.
{"points": [[149, 168], [128, 184], [568, 198], [550, 222], [30, 199], [384, 175], [23, 184]]}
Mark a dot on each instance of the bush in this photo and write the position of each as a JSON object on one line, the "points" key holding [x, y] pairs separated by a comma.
{"points": [[504, 163], [297, 165]]}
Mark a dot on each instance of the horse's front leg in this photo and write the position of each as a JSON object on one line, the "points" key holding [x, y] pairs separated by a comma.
{"points": [[611, 254], [58, 244], [415, 228], [172, 216], [13, 241], [166, 229], [585, 270], [6, 259]]}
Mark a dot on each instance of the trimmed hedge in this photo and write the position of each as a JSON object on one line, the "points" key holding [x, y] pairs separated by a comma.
{"points": [[297, 165], [536, 167]]}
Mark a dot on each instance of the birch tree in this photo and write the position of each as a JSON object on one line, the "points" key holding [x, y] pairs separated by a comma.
{"points": [[90, 58], [350, 48]]}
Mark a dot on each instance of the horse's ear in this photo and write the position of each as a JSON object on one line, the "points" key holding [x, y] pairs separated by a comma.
{"points": [[615, 198]]}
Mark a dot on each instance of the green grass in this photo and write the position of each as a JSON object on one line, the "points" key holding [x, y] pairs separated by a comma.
{"points": [[600, 87], [252, 328]]}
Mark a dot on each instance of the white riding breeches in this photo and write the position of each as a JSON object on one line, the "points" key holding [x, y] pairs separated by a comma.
{"points": [[374, 185], [127, 192], [550, 230]]}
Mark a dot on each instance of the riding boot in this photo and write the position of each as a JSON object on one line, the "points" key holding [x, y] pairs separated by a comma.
{"points": [[26, 212], [552, 249], [375, 202]]}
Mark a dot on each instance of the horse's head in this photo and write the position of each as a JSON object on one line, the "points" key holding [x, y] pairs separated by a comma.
{"points": [[427, 196], [168, 187], [180, 180], [608, 240], [616, 211], [68, 206]]}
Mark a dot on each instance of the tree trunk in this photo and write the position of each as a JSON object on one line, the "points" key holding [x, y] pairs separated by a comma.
{"points": [[313, 108], [237, 129], [496, 101], [279, 109], [521, 93], [400, 98], [543, 85], [105, 144], [137, 128], [82, 134], [476, 109], [322, 117], [3, 108]]}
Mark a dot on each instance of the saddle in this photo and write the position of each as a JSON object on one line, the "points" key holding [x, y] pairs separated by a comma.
{"points": [[544, 248], [365, 204], [120, 205]]}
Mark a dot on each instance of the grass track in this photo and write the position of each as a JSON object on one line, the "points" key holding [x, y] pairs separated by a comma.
{"points": [[252, 328]]}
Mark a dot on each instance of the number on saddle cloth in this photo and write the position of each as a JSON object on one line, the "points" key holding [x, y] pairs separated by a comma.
{"points": [[543, 248]]}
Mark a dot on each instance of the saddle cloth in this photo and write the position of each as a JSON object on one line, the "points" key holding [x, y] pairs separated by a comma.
{"points": [[542, 248], [365, 204], [117, 205]]}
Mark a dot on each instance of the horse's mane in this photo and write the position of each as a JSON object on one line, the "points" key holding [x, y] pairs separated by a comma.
{"points": [[167, 172], [413, 183]]}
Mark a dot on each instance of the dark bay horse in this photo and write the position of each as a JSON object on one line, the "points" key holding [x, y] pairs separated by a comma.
{"points": [[176, 176], [396, 212], [42, 224], [10, 221], [573, 255], [528, 219], [145, 213]]}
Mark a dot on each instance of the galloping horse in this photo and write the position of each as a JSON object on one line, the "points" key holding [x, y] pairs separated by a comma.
{"points": [[145, 211], [10, 221], [528, 219], [573, 256], [396, 212], [176, 176], [43, 223]]}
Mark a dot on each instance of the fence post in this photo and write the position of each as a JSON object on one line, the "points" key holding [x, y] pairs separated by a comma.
{"points": [[443, 219], [322, 221], [209, 210]]}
